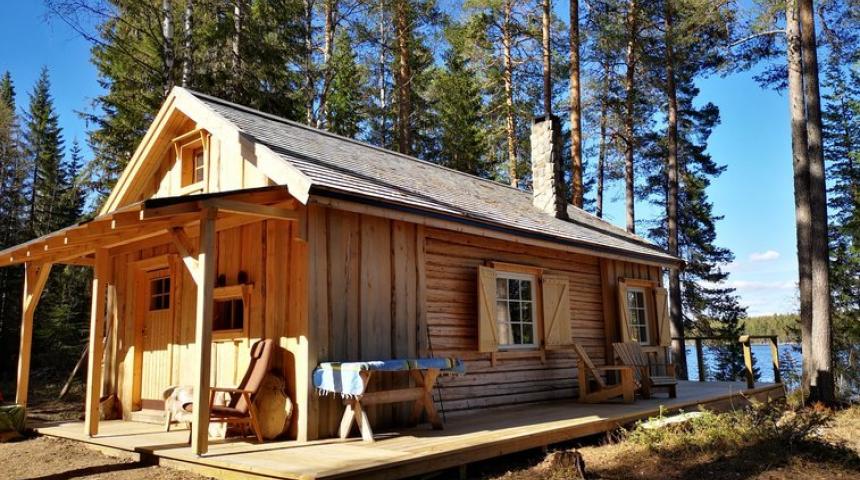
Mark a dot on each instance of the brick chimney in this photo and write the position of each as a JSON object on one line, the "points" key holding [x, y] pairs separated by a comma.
{"points": [[547, 170]]}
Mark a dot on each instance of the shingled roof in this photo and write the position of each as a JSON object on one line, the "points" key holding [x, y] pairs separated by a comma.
{"points": [[341, 167]]}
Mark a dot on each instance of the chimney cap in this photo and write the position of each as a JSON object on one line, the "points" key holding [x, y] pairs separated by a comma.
{"points": [[543, 118]]}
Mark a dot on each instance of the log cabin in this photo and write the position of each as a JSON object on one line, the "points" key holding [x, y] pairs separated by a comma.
{"points": [[230, 225]]}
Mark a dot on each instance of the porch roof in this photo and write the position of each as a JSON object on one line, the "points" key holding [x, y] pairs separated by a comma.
{"points": [[149, 218]]}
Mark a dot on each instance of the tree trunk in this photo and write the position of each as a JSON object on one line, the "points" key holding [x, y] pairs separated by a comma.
{"points": [[679, 354], [508, 75], [310, 89], [629, 93], [575, 109], [601, 154], [328, 45], [383, 98], [822, 385], [800, 161], [188, 59], [547, 60], [168, 51], [404, 77], [236, 44]]}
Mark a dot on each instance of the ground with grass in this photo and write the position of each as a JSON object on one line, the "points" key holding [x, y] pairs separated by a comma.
{"points": [[762, 443], [765, 445]]}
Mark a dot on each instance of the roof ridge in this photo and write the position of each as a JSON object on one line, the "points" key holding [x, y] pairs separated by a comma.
{"points": [[620, 232]]}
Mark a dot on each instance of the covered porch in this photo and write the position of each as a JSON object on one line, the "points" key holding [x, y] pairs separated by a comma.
{"points": [[415, 451], [189, 228]]}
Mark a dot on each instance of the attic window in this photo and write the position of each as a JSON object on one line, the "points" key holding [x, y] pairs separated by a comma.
{"points": [[192, 155]]}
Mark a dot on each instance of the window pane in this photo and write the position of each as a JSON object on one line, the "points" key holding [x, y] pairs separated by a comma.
{"points": [[513, 288], [526, 314], [525, 289], [518, 335], [528, 333], [505, 335], [514, 308], [501, 288], [502, 315]]}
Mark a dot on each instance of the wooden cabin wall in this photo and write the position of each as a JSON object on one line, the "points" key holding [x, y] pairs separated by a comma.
{"points": [[363, 298], [452, 260], [611, 271], [259, 249]]}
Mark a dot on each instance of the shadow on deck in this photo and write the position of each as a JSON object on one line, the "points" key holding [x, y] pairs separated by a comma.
{"points": [[414, 451]]}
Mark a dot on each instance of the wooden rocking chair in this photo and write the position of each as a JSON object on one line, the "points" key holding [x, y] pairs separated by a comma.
{"points": [[632, 354], [602, 392], [240, 409]]}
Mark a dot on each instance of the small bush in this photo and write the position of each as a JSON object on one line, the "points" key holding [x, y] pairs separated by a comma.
{"points": [[729, 432]]}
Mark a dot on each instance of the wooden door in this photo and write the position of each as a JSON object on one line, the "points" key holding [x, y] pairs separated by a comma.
{"points": [[156, 364]]}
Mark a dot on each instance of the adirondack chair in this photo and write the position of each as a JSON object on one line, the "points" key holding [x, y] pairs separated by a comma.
{"points": [[240, 409], [602, 392], [632, 354]]}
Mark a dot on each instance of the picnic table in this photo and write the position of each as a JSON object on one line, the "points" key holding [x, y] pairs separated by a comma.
{"points": [[351, 380]]}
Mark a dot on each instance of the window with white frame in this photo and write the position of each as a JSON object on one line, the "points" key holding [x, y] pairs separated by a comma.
{"points": [[638, 314], [515, 309]]}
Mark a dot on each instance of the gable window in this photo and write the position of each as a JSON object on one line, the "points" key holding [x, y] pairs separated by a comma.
{"points": [[199, 165], [193, 159], [637, 314], [159, 294], [515, 309]]}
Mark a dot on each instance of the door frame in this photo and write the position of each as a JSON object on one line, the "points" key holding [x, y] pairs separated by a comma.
{"points": [[140, 286]]}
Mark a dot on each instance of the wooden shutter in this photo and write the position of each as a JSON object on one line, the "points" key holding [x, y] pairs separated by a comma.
{"points": [[661, 303], [488, 340], [623, 312], [556, 310]]}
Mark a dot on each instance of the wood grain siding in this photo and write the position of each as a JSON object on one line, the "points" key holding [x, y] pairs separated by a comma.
{"points": [[451, 266], [611, 271], [363, 299], [260, 250]]}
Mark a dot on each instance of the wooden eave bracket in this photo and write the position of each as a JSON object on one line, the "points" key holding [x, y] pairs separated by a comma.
{"points": [[187, 251]]}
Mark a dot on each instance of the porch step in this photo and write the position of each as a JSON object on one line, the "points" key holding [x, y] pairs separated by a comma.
{"points": [[148, 416]]}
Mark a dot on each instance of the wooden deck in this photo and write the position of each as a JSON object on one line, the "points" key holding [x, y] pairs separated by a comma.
{"points": [[408, 452]]}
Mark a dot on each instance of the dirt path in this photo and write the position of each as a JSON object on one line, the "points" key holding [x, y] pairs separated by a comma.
{"points": [[46, 458]]}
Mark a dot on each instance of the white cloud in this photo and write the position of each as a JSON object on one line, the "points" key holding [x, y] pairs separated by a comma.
{"points": [[755, 285], [766, 256]]}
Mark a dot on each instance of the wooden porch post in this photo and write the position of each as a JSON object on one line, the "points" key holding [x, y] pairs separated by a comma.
{"points": [[96, 346], [203, 330], [35, 276]]}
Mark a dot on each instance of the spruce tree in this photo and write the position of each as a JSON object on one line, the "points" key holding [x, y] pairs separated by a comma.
{"points": [[458, 109], [44, 148], [344, 100]]}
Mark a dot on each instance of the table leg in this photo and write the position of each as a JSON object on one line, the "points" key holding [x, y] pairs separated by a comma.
{"points": [[363, 422], [346, 421]]}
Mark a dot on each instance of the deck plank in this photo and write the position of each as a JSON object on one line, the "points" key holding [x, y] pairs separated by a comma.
{"points": [[395, 454]]}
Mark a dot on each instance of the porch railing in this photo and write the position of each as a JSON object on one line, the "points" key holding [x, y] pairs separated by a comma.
{"points": [[746, 342]]}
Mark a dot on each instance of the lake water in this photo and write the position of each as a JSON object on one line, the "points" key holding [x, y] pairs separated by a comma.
{"points": [[789, 356]]}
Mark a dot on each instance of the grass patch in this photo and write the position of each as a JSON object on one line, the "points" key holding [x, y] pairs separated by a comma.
{"points": [[774, 441]]}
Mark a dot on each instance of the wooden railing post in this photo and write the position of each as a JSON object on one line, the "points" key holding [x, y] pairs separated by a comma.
{"points": [[700, 359], [748, 362], [774, 353]]}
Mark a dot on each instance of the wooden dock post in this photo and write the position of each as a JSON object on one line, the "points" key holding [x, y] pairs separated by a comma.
{"points": [[774, 353], [700, 358], [748, 361]]}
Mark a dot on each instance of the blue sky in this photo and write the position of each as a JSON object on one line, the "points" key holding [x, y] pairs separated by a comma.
{"points": [[755, 194]]}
